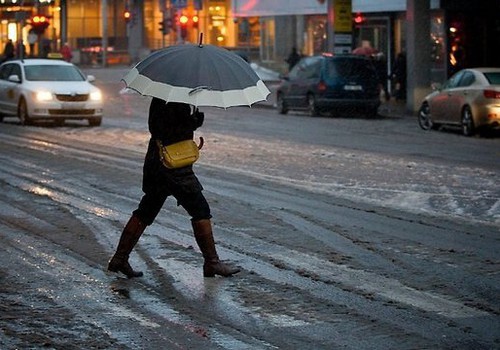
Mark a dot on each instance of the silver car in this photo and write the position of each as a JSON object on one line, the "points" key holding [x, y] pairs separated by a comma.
{"points": [[470, 99], [48, 89]]}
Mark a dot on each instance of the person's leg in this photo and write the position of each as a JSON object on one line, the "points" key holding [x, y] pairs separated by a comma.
{"points": [[143, 216], [199, 210]]}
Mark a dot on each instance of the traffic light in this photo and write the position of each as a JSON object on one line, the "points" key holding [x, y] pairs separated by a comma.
{"points": [[164, 27], [183, 20], [196, 20], [169, 23], [358, 18], [127, 16], [39, 23]]}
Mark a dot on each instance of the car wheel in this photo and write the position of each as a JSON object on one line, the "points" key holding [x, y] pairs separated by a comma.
{"points": [[95, 121], [281, 105], [22, 112], [311, 105], [424, 117], [467, 122]]}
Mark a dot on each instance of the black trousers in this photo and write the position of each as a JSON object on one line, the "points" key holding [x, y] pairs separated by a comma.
{"points": [[151, 203]]}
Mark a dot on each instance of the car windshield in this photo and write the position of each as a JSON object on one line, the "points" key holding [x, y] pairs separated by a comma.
{"points": [[53, 73], [493, 78]]}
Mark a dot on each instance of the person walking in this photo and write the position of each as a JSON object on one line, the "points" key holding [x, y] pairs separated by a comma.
{"points": [[293, 58], [66, 52], [9, 50], [170, 123], [399, 76], [20, 50]]}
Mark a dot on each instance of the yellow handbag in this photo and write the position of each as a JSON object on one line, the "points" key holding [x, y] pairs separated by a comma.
{"points": [[179, 154]]}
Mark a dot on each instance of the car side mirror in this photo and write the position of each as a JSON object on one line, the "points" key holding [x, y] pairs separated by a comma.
{"points": [[90, 78], [436, 86], [14, 78]]}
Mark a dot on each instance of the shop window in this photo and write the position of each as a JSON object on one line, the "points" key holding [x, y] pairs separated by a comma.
{"points": [[316, 38], [248, 32], [438, 48], [217, 23]]}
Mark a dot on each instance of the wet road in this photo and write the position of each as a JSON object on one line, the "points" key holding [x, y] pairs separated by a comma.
{"points": [[378, 246]]}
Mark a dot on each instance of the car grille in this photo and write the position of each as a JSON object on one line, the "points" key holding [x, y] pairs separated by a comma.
{"points": [[72, 98], [71, 111]]}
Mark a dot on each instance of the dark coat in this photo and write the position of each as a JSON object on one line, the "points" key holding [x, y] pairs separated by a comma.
{"points": [[169, 123], [9, 51]]}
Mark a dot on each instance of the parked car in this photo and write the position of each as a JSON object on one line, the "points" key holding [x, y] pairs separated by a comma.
{"points": [[330, 83], [47, 89], [470, 99]]}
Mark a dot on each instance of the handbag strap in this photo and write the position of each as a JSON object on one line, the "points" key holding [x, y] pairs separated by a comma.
{"points": [[202, 142]]}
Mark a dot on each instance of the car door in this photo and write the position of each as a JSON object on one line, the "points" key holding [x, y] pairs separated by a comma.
{"points": [[439, 103], [459, 97], [13, 89], [5, 71], [289, 94], [306, 75]]}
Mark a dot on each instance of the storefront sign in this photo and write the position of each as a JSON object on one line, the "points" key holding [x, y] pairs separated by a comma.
{"points": [[343, 39], [343, 16]]}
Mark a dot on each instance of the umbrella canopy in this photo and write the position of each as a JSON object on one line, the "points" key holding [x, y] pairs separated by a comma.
{"points": [[200, 75]]}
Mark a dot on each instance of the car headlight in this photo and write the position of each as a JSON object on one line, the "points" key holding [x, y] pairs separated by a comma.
{"points": [[43, 96], [96, 96]]}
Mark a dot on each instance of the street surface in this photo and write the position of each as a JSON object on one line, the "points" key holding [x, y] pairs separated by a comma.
{"points": [[351, 233]]}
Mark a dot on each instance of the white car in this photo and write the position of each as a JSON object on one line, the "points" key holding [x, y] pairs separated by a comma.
{"points": [[48, 89], [470, 99]]}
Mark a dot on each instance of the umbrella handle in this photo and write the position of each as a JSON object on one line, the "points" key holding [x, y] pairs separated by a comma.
{"points": [[198, 89]]}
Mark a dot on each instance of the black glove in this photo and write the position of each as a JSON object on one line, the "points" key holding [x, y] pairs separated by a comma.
{"points": [[198, 118]]}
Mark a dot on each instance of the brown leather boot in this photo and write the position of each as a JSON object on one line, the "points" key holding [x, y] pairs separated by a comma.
{"points": [[205, 239], [129, 238]]}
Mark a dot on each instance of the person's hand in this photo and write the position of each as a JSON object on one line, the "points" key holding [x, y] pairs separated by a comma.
{"points": [[198, 117]]}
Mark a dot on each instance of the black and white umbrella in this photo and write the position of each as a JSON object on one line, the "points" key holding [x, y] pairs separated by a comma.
{"points": [[200, 75]]}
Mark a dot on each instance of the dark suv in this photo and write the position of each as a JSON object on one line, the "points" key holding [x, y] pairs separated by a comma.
{"points": [[328, 83]]}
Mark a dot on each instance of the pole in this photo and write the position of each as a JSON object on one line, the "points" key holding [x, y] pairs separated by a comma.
{"points": [[104, 15], [330, 26], [64, 22]]}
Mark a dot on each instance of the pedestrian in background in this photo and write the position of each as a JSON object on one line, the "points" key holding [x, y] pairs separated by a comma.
{"points": [[398, 75], [381, 67], [66, 52], [293, 58], [170, 123], [9, 50], [20, 50]]}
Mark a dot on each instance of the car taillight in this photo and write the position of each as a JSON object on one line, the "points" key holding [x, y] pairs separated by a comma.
{"points": [[321, 86], [491, 94]]}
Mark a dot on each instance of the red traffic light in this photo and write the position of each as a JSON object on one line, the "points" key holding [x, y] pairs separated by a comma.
{"points": [[39, 20], [183, 19], [127, 15], [358, 18], [39, 23]]}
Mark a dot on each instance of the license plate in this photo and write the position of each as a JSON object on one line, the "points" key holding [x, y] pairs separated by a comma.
{"points": [[353, 87], [72, 105]]}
